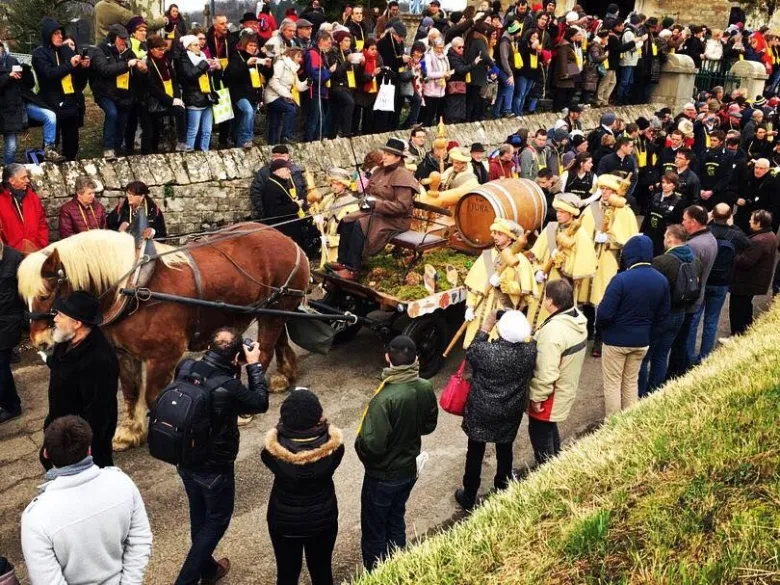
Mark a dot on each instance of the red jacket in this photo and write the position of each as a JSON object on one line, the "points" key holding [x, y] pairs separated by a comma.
{"points": [[500, 169], [76, 218], [26, 235]]}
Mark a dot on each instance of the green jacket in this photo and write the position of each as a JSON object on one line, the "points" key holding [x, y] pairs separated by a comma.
{"points": [[389, 440]]}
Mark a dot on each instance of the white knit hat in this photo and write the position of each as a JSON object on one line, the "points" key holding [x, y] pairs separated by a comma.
{"points": [[188, 40], [513, 327]]}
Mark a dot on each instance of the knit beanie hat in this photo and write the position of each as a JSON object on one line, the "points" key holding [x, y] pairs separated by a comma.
{"points": [[608, 119], [513, 327], [643, 123], [301, 410]]}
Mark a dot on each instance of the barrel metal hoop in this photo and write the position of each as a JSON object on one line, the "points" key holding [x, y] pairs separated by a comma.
{"points": [[511, 201], [541, 196]]}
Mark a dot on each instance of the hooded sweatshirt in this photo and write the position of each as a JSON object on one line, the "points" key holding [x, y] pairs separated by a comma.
{"points": [[624, 322]]}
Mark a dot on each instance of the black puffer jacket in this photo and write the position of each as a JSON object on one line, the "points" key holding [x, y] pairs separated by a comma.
{"points": [[52, 65], [303, 498], [239, 80], [11, 90], [189, 76], [501, 375], [11, 306], [108, 64], [227, 402]]}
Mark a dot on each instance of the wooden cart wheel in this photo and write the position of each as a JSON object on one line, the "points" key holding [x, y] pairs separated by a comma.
{"points": [[429, 334], [345, 302]]}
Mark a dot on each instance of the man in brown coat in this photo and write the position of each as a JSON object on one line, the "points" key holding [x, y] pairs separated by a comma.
{"points": [[753, 270], [385, 212]]}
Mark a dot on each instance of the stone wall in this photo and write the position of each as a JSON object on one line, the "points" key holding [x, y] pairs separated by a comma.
{"points": [[199, 191]]}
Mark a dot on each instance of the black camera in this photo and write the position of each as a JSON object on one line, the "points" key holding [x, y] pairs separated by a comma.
{"points": [[248, 343], [85, 52]]}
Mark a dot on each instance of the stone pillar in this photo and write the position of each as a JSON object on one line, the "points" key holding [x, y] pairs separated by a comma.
{"points": [[412, 23], [676, 86], [752, 76]]}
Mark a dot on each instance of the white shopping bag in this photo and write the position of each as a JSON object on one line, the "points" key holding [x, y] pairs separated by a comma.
{"points": [[385, 99]]}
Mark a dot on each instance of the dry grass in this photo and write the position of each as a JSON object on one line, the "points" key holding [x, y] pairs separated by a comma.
{"points": [[684, 489]]}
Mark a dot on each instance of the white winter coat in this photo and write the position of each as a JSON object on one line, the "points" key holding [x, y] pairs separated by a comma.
{"points": [[90, 528], [281, 83], [435, 68]]}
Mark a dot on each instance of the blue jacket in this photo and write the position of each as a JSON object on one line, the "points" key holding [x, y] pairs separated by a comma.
{"points": [[635, 300]]}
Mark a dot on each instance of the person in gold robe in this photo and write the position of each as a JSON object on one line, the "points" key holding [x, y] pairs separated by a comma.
{"points": [[502, 278], [610, 223], [562, 250], [337, 204]]}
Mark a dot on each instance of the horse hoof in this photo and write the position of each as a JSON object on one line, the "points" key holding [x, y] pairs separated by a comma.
{"points": [[244, 420], [279, 383], [125, 439]]}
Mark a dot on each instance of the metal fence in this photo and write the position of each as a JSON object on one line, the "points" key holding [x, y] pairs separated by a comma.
{"points": [[715, 73]]}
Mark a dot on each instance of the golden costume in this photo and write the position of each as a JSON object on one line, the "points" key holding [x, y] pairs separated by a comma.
{"points": [[333, 208], [562, 251], [517, 285], [446, 190], [614, 218]]}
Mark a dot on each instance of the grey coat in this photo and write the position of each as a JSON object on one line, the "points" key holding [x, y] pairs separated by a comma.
{"points": [[501, 375]]}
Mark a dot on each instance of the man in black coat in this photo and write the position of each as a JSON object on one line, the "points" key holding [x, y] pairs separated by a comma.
{"points": [[257, 188], [84, 373], [11, 314]]}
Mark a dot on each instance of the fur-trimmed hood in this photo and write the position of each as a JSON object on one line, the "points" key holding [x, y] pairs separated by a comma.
{"points": [[272, 445]]}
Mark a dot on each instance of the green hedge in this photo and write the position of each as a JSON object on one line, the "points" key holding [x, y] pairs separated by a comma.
{"points": [[683, 489]]}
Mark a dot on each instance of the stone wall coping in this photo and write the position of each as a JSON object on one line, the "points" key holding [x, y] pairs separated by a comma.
{"points": [[679, 64], [749, 70]]}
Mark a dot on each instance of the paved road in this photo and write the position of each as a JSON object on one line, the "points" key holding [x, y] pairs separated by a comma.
{"points": [[344, 380]]}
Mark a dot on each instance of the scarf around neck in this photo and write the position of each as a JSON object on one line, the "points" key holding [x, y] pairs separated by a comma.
{"points": [[401, 374], [69, 470], [295, 440], [196, 59]]}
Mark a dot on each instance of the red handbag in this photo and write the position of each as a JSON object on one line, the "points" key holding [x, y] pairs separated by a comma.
{"points": [[456, 392]]}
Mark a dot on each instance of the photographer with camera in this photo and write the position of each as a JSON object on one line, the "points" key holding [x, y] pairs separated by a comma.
{"points": [[209, 477]]}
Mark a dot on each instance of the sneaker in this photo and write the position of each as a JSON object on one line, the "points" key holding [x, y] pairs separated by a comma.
{"points": [[6, 415], [109, 154], [725, 340], [248, 145], [223, 568], [50, 154], [181, 147], [468, 504]]}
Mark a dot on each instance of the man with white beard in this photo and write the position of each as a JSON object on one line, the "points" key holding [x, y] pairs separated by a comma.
{"points": [[84, 373]]}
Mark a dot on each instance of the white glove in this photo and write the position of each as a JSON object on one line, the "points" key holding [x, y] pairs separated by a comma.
{"points": [[554, 253], [325, 241], [540, 276], [177, 103], [601, 238], [319, 220], [470, 314], [495, 280]]}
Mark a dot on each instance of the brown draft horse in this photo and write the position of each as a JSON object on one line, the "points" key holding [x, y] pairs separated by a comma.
{"points": [[243, 265]]}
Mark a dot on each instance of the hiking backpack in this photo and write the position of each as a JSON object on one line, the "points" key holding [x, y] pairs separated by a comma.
{"points": [[180, 418], [687, 287]]}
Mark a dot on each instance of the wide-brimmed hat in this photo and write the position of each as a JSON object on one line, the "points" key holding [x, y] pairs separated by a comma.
{"points": [[394, 146], [248, 17], [457, 154], [568, 202], [477, 147], [81, 306], [507, 227]]}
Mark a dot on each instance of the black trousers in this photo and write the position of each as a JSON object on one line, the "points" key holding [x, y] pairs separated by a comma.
{"points": [[9, 398], [152, 127], [433, 110], [740, 313], [475, 104], [343, 103], [289, 551], [562, 98], [351, 244], [69, 135], [474, 456], [678, 357], [544, 438], [133, 119]]}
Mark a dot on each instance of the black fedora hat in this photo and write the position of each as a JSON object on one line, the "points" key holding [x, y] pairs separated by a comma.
{"points": [[395, 146], [248, 17], [80, 306]]}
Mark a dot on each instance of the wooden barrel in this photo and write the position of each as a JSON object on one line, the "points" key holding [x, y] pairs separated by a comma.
{"points": [[520, 200]]}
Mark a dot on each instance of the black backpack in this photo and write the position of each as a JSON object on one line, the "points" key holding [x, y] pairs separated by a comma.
{"points": [[180, 419], [687, 287], [723, 264]]}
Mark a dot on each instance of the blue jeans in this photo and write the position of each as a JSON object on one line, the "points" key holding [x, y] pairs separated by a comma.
{"points": [[113, 124], [199, 120], [281, 121], [523, 87], [9, 148], [626, 79], [772, 84], [714, 298], [48, 119], [503, 103], [652, 373], [382, 523], [211, 497], [415, 104], [315, 121], [244, 126]]}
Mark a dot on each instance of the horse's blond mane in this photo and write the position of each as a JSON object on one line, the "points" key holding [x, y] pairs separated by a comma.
{"points": [[93, 261]]}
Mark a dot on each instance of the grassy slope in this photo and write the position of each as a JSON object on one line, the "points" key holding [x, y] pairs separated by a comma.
{"points": [[684, 489]]}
